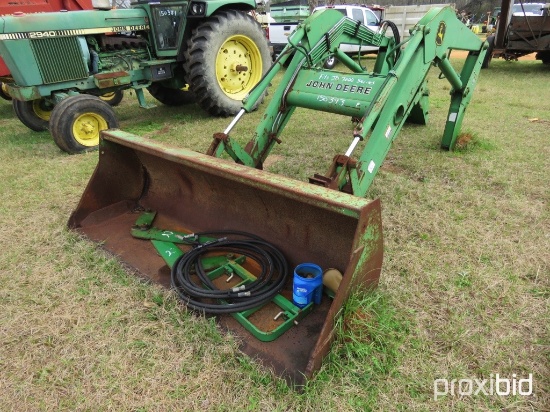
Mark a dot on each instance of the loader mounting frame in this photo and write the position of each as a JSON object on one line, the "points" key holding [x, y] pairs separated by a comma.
{"points": [[395, 91], [192, 192]]}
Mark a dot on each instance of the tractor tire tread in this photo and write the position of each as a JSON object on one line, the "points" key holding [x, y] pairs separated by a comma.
{"points": [[169, 96], [200, 69], [118, 95], [26, 114], [66, 112]]}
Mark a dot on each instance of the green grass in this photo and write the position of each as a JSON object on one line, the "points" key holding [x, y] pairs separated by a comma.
{"points": [[463, 293]]}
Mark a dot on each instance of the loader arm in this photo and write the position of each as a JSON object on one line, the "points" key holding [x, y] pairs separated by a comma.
{"points": [[193, 193], [394, 91]]}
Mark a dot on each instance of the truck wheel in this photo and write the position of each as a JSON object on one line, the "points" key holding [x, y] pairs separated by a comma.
{"points": [[113, 99], [4, 92], [226, 57], [77, 120], [171, 97], [34, 114], [543, 56], [330, 62], [489, 56]]}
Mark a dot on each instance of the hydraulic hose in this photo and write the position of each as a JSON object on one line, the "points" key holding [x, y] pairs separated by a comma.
{"points": [[207, 297], [396, 36]]}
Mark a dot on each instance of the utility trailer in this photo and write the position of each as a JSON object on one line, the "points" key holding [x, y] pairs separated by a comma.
{"points": [[519, 33]]}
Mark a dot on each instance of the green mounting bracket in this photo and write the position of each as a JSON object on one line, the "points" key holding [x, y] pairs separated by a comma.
{"points": [[329, 292], [143, 229], [171, 253], [141, 98], [165, 242], [288, 315], [285, 317]]}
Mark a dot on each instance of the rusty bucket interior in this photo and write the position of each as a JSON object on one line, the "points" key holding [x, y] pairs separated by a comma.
{"points": [[194, 192]]}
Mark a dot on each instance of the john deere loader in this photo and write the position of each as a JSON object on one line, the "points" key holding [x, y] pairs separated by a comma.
{"points": [[231, 239], [182, 51]]}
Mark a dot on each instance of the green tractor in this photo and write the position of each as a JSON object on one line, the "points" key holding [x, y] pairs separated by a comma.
{"points": [[64, 64]]}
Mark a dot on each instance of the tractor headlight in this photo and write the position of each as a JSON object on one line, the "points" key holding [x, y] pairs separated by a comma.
{"points": [[197, 9]]}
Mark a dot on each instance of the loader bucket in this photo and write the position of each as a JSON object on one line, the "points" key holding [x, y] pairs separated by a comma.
{"points": [[196, 192]]}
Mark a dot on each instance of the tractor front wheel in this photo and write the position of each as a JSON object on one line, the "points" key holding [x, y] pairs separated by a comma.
{"points": [[113, 98], [35, 114], [4, 91], [226, 57], [171, 97], [76, 122]]}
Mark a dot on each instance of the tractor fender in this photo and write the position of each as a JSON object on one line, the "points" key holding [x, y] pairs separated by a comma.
{"points": [[215, 5]]}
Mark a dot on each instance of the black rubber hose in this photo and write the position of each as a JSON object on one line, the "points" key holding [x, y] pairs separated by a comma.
{"points": [[271, 279], [396, 36]]}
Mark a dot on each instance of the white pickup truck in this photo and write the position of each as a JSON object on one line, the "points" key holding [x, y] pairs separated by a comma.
{"points": [[278, 35], [279, 32], [403, 17]]}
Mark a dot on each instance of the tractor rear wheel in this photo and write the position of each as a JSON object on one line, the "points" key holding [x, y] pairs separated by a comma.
{"points": [[76, 122], [113, 98], [226, 57], [4, 91], [35, 114], [171, 97]]}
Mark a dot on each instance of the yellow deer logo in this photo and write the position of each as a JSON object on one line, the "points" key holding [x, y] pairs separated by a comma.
{"points": [[440, 33]]}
